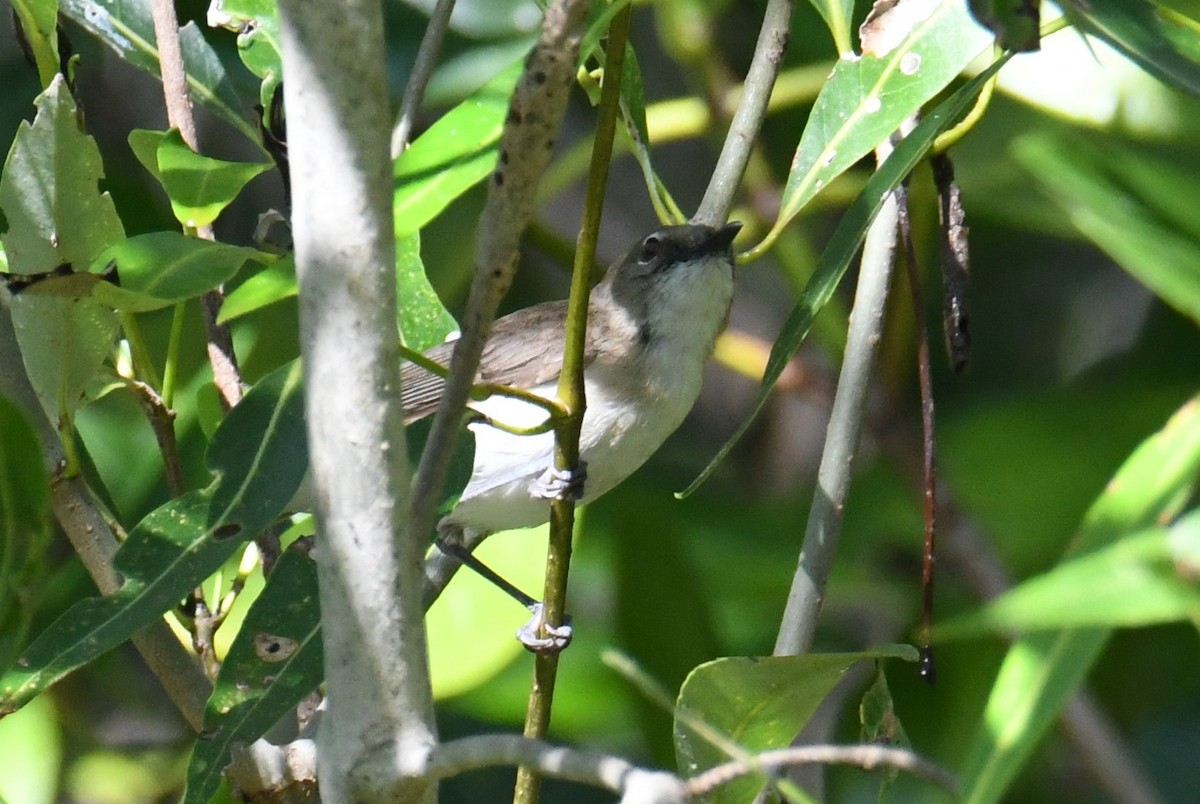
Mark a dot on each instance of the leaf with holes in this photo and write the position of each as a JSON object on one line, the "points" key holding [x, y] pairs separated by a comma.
{"points": [[257, 456]]}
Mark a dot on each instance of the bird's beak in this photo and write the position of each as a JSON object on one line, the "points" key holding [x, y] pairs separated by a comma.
{"points": [[723, 237]]}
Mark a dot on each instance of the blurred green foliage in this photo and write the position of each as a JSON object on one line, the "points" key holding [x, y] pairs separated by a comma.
{"points": [[1086, 258]]}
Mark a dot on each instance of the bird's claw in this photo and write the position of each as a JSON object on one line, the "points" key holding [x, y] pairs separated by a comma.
{"points": [[561, 484], [540, 637]]}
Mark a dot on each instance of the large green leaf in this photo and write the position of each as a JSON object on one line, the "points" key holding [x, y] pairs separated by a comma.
{"points": [[274, 662], [1143, 211], [49, 192], [257, 26], [422, 319], [453, 155], [127, 27], [757, 704], [843, 245], [274, 283], [199, 187], [1138, 580], [57, 216], [1160, 37], [257, 457], [1042, 670], [867, 98], [161, 268]]}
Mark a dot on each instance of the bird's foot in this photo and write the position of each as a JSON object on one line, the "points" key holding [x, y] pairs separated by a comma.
{"points": [[540, 637], [561, 484]]}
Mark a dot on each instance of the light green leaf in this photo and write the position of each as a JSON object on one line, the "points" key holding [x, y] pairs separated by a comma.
{"points": [[257, 25], [1142, 211], [867, 98], [757, 704], [455, 154], [127, 27], [275, 661], [843, 245], [199, 187], [1042, 670], [274, 283], [837, 14], [257, 456], [422, 319], [1158, 36], [161, 268], [39, 22], [1133, 582], [49, 191]]}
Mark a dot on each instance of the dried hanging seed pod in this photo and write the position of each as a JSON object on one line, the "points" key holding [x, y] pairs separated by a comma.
{"points": [[956, 264]]}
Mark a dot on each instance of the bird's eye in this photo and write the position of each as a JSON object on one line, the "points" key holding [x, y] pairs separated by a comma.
{"points": [[651, 247]]}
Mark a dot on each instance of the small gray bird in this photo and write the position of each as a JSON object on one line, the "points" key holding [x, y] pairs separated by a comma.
{"points": [[652, 323]]}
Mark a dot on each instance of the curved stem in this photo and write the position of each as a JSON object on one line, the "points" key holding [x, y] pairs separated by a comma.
{"points": [[426, 59], [571, 392], [731, 164]]}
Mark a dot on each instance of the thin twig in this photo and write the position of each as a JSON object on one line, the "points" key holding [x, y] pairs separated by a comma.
{"points": [[731, 164], [571, 393], [841, 439], [226, 376], [162, 421], [538, 104], [867, 757], [928, 441], [414, 90]]}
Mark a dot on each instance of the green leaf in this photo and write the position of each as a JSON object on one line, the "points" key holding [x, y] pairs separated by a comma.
{"points": [[422, 319], [1016, 24], [275, 661], [453, 155], [161, 268], [868, 97], [63, 344], [199, 187], [39, 23], [49, 191], [127, 27], [257, 456], [1160, 38], [757, 704], [274, 283], [843, 245], [633, 112], [837, 14], [257, 25], [1042, 671], [1133, 582], [1142, 211]]}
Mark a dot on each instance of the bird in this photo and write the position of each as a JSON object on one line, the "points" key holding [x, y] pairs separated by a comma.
{"points": [[652, 324]]}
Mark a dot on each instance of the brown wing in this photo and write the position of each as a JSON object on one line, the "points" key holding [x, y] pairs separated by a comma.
{"points": [[539, 328]]}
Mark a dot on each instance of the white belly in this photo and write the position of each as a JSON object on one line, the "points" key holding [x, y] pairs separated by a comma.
{"points": [[616, 439]]}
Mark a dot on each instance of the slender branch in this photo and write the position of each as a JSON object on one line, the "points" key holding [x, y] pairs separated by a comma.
{"points": [[609, 772], [91, 535], [867, 757], [572, 394], [538, 104], [376, 736], [841, 439], [731, 164], [929, 439], [226, 375], [414, 91], [162, 420]]}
